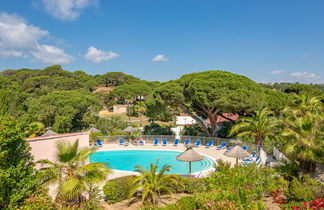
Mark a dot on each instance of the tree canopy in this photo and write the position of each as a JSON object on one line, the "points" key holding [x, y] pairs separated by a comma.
{"points": [[211, 94], [17, 174]]}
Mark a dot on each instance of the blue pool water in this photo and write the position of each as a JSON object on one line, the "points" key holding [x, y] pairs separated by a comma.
{"points": [[126, 160]]}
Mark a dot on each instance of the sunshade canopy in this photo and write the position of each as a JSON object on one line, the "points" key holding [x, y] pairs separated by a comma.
{"points": [[129, 129], [233, 141], [94, 130], [49, 132], [189, 155], [237, 152]]}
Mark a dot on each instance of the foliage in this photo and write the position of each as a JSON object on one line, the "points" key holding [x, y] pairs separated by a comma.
{"points": [[129, 93], [233, 188], [39, 200], [156, 129], [156, 109], [116, 79], [304, 190], [255, 181], [71, 172], [12, 98], [210, 94], [188, 185], [303, 89], [35, 129], [61, 99], [18, 178], [225, 129], [118, 189], [63, 110], [152, 183], [302, 136], [193, 130], [260, 126], [288, 170]]}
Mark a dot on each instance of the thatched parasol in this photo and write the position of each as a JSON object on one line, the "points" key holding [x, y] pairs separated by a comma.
{"points": [[49, 132], [129, 129], [94, 130], [237, 152], [233, 141], [189, 155]]}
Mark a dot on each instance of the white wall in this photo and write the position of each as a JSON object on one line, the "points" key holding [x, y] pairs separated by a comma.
{"points": [[185, 120], [45, 147], [177, 131]]}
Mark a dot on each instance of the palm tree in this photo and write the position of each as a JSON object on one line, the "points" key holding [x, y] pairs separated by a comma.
{"points": [[260, 126], [152, 184], [302, 105], [140, 108], [35, 129], [71, 172], [304, 140]]}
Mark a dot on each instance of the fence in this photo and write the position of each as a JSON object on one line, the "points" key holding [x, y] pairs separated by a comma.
{"points": [[279, 155], [150, 139]]}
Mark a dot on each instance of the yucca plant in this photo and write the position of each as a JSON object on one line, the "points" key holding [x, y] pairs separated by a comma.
{"points": [[152, 184], [71, 172]]}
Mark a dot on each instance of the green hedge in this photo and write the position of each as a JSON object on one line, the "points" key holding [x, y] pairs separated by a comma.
{"points": [[116, 190], [188, 185]]}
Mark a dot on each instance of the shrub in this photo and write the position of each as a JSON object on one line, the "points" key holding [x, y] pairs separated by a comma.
{"points": [[188, 185], [216, 200], [39, 200], [304, 190], [288, 170], [193, 185], [116, 190], [254, 180]]}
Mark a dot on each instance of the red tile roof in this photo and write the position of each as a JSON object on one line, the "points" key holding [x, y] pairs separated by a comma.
{"points": [[220, 119]]}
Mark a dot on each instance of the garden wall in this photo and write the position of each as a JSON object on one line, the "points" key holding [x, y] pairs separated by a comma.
{"points": [[44, 147]]}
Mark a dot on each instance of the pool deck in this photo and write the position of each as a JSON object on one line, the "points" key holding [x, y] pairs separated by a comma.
{"points": [[212, 153]]}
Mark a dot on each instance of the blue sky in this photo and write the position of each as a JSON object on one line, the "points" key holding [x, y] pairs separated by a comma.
{"points": [[266, 40]]}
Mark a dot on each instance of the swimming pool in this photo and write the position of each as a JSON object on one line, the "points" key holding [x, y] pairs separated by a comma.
{"points": [[126, 160]]}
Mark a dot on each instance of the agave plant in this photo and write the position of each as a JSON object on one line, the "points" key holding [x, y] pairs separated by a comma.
{"points": [[152, 183], [71, 172]]}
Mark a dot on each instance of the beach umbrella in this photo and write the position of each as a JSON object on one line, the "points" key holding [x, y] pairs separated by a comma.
{"points": [[233, 141], [189, 155], [129, 129], [237, 152], [94, 130], [49, 132]]}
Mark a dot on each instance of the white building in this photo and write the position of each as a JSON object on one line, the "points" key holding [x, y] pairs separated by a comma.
{"points": [[185, 120], [120, 108]]}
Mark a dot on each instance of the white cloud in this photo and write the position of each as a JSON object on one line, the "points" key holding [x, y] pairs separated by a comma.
{"points": [[67, 9], [11, 53], [305, 75], [95, 55], [160, 58], [16, 33], [51, 55], [277, 72], [18, 38]]}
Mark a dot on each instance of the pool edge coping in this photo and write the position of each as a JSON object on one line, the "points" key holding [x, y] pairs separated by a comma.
{"points": [[196, 174]]}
